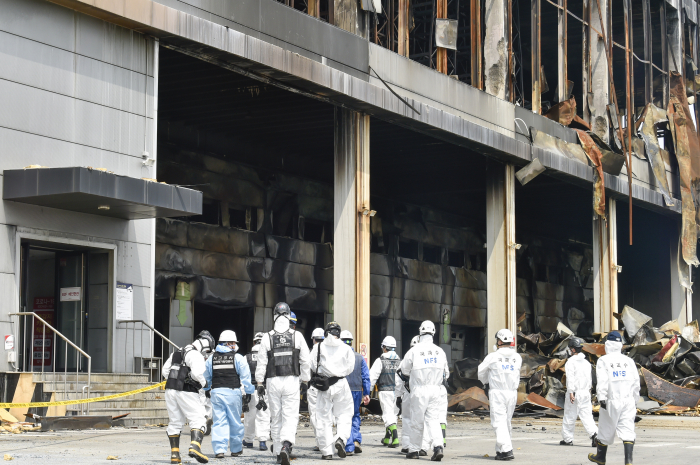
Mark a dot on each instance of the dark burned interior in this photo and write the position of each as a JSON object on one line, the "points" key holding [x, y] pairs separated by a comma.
{"points": [[263, 157]]}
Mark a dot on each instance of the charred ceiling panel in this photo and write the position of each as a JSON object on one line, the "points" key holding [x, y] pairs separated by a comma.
{"points": [[224, 240]]}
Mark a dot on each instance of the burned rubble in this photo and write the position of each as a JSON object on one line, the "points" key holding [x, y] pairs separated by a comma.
{"points": [[667, 357]]}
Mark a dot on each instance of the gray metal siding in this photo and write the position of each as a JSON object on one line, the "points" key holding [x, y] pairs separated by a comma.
{"points": [[74, 91]]}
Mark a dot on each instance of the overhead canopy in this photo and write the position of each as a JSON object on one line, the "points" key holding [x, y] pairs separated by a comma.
{"points": [[99, 192]]}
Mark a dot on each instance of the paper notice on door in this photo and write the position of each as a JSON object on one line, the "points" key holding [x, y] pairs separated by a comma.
{"points": [[70, 294], [125, 301]]}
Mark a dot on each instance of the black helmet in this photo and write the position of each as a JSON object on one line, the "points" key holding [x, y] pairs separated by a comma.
{"points": [[208, 342], [282, 309], [576, 344], [333, 328]]}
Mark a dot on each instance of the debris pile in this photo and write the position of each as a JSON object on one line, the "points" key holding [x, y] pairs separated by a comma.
{"points": [[667, 358]]}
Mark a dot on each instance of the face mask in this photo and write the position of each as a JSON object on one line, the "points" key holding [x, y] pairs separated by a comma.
{"points": [[495, 347]]}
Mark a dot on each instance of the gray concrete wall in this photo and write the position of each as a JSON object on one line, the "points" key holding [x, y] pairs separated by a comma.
{"points": [[74, 91]]}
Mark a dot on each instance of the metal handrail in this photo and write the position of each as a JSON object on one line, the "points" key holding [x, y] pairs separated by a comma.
{"points": [[79, 351], [152, 332]]}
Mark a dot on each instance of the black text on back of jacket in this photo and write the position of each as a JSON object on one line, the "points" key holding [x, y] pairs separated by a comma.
{"points": [[179, 373], [283, 356], [387, 380], [223, 368]]}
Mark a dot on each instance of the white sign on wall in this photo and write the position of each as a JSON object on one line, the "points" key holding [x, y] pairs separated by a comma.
{"points": [[9, 342], [70, 294], [125, 301]]}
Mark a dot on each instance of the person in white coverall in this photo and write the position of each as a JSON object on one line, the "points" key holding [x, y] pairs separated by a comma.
{"points": [[578, 395], [403, 396], [256, 423], [617, 388], [331, 361], [184, 372], [383, 374], [500, 374], [312, 393], [426, 366], [283, 363]]}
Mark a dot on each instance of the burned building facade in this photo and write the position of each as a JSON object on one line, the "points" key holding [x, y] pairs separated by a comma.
{"points": [[480, 164]]}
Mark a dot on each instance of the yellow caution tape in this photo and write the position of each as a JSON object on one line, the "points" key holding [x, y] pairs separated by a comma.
{"points": [[83, 401]]}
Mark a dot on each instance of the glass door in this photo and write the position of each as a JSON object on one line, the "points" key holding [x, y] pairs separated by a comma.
{"points": [[70, 305]]}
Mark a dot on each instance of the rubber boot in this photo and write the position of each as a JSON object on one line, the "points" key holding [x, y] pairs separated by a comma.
{"points": [[629, 446], [599, 457], [285, 453], [437, 454], [394, 437], [197, 435], [444, 434], [175, 448], [387, 437]]}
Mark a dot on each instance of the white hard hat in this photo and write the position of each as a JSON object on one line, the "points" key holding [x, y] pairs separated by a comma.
{"points": [[389, 342], [505, 335], [318, 333], [427, 327], [345, 334], [258, 337], [228, 336], [415, 340]]}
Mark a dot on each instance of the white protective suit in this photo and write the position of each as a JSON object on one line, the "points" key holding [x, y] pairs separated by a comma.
{"points": [[578, 382], [186, 407], [501, 371], [618, 385], [337, 359], [282, 392], [387, 399], [256, 422], [426, 364]]}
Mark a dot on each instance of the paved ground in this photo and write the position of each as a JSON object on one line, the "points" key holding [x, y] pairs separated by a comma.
{"points": [[659, 440]]}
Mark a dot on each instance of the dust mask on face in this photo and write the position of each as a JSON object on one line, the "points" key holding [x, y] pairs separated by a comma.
{"points": [[495, 347]]}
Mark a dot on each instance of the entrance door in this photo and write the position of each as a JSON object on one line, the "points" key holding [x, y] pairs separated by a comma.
{"points": [[70, 305]]}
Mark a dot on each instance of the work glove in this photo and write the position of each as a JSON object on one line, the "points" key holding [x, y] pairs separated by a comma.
{"points": [[261, 403], [246, 401], [398, 402], [261, 390], [208, 394], [604, 404], [486, 389]]}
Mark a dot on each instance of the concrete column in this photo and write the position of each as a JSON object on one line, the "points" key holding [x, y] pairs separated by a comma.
{"points": [[496, 48], [351, 224], [605, 269], [500, 250], [595, 103]]}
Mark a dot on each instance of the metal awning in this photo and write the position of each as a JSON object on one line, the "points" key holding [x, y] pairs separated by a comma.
{"points": [[99, 192]]}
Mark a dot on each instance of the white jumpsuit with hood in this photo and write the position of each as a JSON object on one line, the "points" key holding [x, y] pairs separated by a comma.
{"points": [[427, 366], [578, 382], [282, 392], [618, 385], [186, 407], [387, 399], [337, 359], [501, 371]]}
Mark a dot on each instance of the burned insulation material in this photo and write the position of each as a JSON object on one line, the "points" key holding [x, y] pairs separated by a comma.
{"points": [[545, 141], [530, 171], [593, 153], [654, 115], [688, 155]]}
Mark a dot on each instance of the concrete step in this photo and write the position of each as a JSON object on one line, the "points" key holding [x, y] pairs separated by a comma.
{"points": [[94, 386], [94, 377]]}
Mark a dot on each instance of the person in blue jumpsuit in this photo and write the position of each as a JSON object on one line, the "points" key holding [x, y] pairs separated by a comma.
{"points": [[228, 375], [358, 381]]}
